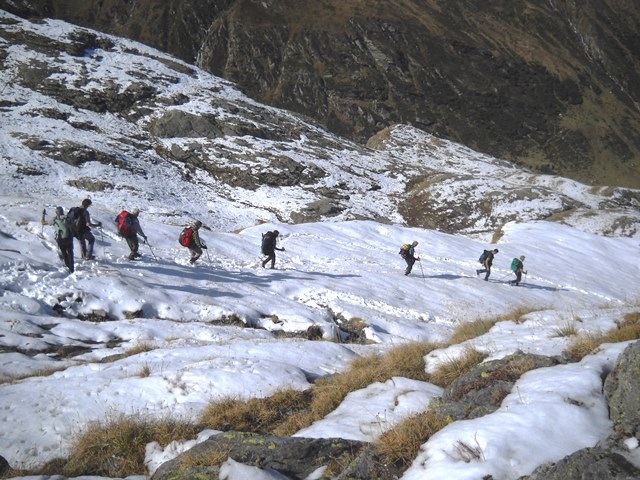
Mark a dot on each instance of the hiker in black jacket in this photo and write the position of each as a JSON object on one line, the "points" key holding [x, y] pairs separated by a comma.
{"points": [[269, 248], [409, 257], [488, 261], [84, 232]]}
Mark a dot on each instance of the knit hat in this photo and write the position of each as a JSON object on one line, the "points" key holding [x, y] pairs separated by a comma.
{"points": [[86, 202], [522, 257], [59, 211], [135, 211], [197, 224]]}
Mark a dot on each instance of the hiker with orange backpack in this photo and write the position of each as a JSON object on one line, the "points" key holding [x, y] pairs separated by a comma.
{"points": [[190, 238], [129, 228]]}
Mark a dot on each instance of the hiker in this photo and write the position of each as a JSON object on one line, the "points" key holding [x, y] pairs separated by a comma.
{"points": [[80, 221], [517, 266], [129, 228], [63, 236], [190, 238], [486, 259], [269, 247], [408, 252]]}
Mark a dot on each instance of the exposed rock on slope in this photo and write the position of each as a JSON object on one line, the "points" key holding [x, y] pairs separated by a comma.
{"points": [[89, 101], [552, 85]]}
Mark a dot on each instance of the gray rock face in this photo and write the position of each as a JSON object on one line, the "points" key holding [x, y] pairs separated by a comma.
{"points": [[622, 391], [587, 464], [292, 456], [555, 87], [4, 466], [480, 392]]}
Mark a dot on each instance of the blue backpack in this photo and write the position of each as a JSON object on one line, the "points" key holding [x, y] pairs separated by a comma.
{"points": [[483, 257]]}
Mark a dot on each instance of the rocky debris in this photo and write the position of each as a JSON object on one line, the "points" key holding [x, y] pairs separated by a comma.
{"points": [[621, 391], [481, 391], [555, 88], [585, 464], [4, 466], [295, 457]]}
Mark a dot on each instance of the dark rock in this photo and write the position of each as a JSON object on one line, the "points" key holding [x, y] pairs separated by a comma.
{"points": [[622, 391], [292, 456], [587, 464], [481, 391], [4, 466]]}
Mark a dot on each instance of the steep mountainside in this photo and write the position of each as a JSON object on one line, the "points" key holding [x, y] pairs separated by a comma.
{"points": [[554, 85]]}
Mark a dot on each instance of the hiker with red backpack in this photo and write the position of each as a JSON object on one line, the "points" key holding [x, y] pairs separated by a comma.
{"points": [[190, 238], [408, 252], [129, 228], [80, 220]]}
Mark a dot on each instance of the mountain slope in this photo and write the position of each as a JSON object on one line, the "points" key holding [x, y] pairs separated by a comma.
{"points": [[551, 85]]}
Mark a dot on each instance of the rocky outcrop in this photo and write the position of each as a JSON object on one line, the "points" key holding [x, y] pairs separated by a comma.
{"points": [[292, 456], [622, 389], [588, 463], [481, 391], [555, 85]]}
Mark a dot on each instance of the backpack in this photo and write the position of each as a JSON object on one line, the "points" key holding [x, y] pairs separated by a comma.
{"points": [[61, 228], [124, 223], [404, 250], [515, 265], [186, 236], [267, 243], [76, 221], [483, 257]]}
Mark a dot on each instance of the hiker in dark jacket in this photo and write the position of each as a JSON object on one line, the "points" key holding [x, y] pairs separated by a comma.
{"points": [[517, 267], [488, 261], [134, 230], [196, 246], [410, 257], [84, 233], [64, 238], [269, 248]]}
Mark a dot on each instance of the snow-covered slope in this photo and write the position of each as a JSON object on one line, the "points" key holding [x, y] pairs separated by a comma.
{"points": [[331, 273]]}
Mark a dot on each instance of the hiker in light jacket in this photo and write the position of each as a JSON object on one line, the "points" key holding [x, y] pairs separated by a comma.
{"points": [[132, 238], [196, 246], [63, 236], [517, 267], [488, 261]]}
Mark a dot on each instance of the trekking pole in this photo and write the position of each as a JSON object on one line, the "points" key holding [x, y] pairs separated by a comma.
{"points": [[151, 250], [422, 271], [208, 257]]}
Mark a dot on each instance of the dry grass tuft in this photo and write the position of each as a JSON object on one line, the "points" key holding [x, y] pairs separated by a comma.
{"points": [[401, 444], [516, 315], [468, 330], [257, 415], [583, 345], [566, 329], [455, 367], [117, 448]]}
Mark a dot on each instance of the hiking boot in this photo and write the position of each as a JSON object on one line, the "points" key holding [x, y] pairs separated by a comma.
{"points": [[90, 257], [192, 261], [478, 272]]}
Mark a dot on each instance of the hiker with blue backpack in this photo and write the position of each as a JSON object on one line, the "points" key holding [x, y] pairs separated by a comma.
{"points": [[79, 221], [517, 267], [269, 247], [486, 259], [190, 238], [64, 237], [408, 252], [129, 228]]}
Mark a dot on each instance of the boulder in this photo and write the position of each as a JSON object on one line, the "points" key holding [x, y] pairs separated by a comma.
{"points": [[621, 392]]}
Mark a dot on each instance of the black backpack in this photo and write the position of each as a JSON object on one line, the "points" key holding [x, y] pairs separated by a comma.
{"points": [[267, 243], [484, 256], [76, 221]]}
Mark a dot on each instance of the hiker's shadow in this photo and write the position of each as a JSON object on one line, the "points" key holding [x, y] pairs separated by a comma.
{"points": [[533, 286], [445, 276]]}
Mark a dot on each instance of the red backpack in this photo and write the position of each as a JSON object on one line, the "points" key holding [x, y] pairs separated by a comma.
{"points": [[185, 237], [124, 224]]}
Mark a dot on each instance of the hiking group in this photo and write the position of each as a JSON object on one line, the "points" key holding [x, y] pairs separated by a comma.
{"points": [[77, 224], [407, 252]]}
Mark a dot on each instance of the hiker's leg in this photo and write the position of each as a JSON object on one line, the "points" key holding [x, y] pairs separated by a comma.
{"points": [[410, 262], [68, 249], [91, 239], [196, 252], [133, 244], [270, 258], [518, 277], [83, 246], [486, 277]]}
